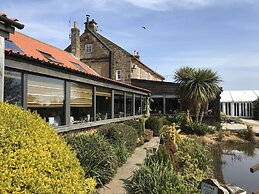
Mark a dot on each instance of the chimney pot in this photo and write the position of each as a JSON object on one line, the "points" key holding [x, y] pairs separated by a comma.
{"points": [[92, 26], [136, 55], [75, 24], [87, 22]]}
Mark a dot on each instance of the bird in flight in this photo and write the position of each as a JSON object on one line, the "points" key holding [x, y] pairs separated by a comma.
{"points": [[144, 27]]}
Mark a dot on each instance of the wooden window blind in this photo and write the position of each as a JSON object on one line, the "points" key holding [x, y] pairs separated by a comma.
{"points": [[103, 92], [81, 95], [45, 92]]}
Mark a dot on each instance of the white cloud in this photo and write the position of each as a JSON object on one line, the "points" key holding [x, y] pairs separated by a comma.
{"points": [[151, 4], [168, 4], [163, 5]]}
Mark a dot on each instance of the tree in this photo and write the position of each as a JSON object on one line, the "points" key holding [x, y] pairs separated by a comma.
{"points": [[197, 87]]}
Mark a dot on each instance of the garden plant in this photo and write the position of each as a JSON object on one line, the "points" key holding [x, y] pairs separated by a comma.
{"points": [[34, 159]]}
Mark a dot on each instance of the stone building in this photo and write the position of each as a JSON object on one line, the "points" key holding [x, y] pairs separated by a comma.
{"points": [[110, 60], [107, 58]]}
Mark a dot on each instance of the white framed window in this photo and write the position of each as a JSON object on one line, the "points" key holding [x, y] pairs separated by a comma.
{"points": [[149, 76], [118, 74], [88, 48]]}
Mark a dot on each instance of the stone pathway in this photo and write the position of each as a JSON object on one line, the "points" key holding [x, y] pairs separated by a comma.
{"points": [[252, 123], [235, 126], [120, 180]]}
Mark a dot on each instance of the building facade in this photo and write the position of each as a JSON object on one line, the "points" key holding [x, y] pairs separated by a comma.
{"points": [[110, 60], [107, 58], [163, 96], [62, 89]]}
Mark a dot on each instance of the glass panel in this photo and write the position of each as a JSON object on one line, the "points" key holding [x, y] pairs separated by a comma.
{"points": [[137, 105], [103, 103], [103, 92], [157, 105], [81, 103], [13, 87], [129, 104], [46, 96], [118, 104], [172, 105]]}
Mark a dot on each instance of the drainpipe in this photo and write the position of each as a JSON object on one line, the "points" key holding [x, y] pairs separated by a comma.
{"points": [[2, 61], [110, 64]]}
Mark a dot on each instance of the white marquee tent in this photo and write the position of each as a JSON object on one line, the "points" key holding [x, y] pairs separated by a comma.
{"points": [[238, 103]]}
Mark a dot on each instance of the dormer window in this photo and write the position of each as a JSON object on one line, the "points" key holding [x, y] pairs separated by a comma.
{"points": [[78, 66], [49, 57], [89, 48]]}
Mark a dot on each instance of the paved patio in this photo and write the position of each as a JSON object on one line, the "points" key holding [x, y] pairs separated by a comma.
{"points": [[235, 126]]}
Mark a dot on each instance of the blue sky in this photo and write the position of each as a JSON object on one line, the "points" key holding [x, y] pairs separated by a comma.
{"points": [[219, 34]]}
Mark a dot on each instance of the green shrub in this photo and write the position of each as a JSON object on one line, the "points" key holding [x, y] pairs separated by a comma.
{"points": [[118, 134], [154, 178], [96, 155], [199, 129], [154, 124], [164, 120], [198, 154], [182, 120], [122, 137], [137, 125], [228, 119], [161, 156], [159, 176], [33, 158], [247, 134], [122, 153], [171, 119]]}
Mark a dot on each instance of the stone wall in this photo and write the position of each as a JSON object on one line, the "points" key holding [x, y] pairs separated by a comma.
{"points": [[145, 73], [100, 59]]}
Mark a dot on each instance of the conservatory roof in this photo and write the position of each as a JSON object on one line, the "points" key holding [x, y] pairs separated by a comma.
{"points": [[239, 96]]}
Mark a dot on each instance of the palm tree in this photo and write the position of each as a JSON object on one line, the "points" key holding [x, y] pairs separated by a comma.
{"points": [[198, 87]]}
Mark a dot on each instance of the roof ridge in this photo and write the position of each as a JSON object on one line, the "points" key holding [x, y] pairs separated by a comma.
{"points": [[41, 42]]}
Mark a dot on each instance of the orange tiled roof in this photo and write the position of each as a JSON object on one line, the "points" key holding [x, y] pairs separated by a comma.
{"points": [[33, 48]]}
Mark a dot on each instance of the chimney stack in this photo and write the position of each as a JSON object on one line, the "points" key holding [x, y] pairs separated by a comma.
{"points": [[87, 22], [90, 25], [75, 41]]}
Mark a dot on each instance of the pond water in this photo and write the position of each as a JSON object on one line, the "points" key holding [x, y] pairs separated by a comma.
{"points": [[232, 165]]}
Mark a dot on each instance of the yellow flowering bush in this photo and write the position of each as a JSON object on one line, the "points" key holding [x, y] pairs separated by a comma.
{"points": [[34, 159], [90, 185]]}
